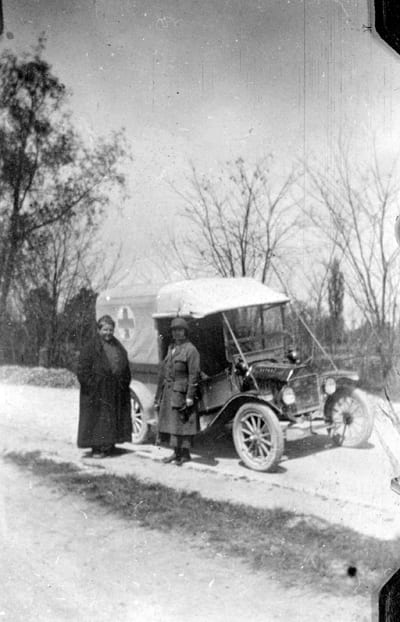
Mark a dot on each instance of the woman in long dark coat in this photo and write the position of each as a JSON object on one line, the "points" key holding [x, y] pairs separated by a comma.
{"points": [[105, 404], [176, 394]]}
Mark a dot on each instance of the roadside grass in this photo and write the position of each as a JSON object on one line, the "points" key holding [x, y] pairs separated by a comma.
{"points": [[296, 549]]}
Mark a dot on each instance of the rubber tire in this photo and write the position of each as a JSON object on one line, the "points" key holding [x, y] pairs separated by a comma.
{"points": [[359, 431], [140, 427], [252, 414]]}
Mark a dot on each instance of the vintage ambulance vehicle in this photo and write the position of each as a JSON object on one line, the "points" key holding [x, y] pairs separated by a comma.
{"points": [[252, 380]]}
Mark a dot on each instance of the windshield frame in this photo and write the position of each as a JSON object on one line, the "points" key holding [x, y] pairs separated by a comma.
{"points": [[231, 349]]}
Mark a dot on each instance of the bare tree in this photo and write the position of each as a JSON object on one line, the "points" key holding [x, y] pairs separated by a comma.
{"points": [[236, 222], [60, 261], [354, 211]]}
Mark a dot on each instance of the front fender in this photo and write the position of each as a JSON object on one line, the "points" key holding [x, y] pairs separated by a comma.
{"points": [[230, 408]]}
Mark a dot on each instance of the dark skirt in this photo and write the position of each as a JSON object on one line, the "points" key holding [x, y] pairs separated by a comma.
{"points": [[170, 420]]}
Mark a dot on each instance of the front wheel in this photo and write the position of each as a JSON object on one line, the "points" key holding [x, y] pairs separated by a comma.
{"points": [[258, 437], [140, 427], [349, 417]]}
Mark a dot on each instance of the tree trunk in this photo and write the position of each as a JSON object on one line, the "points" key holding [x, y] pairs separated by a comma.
{"points": [[10, 255], [5, 280]]}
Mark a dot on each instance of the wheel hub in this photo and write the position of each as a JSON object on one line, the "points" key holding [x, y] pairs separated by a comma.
{"points": [[347, 418]]}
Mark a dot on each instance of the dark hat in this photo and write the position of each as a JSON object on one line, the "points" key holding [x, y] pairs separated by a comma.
{"points": [[179, 322]]}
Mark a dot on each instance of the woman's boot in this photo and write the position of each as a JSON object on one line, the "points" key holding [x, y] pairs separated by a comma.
{"points": [[172, 458], [185, 457]]}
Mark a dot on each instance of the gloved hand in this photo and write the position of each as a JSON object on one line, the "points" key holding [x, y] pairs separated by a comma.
{"points": [[184, 412]]}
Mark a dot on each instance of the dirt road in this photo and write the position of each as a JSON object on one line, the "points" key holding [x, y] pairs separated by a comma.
{"points": [[64, 559], [345, 486]]}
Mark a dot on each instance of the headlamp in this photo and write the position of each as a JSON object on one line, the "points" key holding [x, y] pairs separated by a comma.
{"points": [[330, 386], [288, 396]]}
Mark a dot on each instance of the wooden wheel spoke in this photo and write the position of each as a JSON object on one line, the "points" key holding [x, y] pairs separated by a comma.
{"points": [[265, 447], [257, 451], [249, 426], [253, 420], [248, 431], [260, 424]]}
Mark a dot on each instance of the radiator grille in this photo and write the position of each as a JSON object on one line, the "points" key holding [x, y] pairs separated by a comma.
{"points": [[306, 389]]}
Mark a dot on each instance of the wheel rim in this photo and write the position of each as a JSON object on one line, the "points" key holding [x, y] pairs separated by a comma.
{"points": [[137, 416], [255, 437], [347, 418]]}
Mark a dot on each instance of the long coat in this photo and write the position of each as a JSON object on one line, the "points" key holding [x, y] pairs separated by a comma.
{"points": [[104, 404], [178, 380]]}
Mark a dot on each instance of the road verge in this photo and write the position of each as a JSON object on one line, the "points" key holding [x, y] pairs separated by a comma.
{"points": [[295, 549]]}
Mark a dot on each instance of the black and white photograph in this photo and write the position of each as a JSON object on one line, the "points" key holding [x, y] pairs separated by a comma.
{"points": [[199, 310]]}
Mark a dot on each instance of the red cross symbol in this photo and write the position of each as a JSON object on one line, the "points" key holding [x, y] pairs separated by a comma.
{"points": [[125, 323]]}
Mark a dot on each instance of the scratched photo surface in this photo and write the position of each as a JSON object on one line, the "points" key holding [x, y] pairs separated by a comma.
{"points": [[260, 139]]}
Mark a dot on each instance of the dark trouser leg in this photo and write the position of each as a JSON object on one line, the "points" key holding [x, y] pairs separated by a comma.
{"points": [[175, 443], [181, 442], [182, 446], [176, 453], [187, 442]]}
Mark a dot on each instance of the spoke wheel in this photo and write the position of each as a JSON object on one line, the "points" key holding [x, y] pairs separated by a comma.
{"points": [[258, 437], [349, 417], [140, 427]]}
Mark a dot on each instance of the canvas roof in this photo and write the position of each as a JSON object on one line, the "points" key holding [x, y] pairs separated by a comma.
{"points": [[138, 293], [200, 297]]}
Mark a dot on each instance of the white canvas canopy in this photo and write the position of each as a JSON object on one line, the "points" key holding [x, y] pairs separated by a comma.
{"points": [[200, 297], [133, 307]]}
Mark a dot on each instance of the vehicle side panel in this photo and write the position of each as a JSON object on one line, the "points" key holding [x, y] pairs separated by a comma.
{"points": [[216, 391]]}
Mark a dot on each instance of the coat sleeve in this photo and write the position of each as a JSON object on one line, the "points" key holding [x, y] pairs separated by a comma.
{"points": [[126, 375], [160, 382], [85, 370], [193, 365]]}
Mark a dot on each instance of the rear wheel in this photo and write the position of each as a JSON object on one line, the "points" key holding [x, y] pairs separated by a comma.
{"points": [[140, 427], [258, 437], [349, 417]]}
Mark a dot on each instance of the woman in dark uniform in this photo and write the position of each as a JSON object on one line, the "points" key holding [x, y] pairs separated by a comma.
{"points": [[176, 394]]}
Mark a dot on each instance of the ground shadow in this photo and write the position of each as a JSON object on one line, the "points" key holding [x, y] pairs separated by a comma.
{"points": [[120, 451], [116, 453], [208, 459], [212, 445], [310, 445], [315, 444], [215, 444]]}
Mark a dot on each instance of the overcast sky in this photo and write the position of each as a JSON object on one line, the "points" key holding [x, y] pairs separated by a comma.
{"points": [[211, 80]]}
